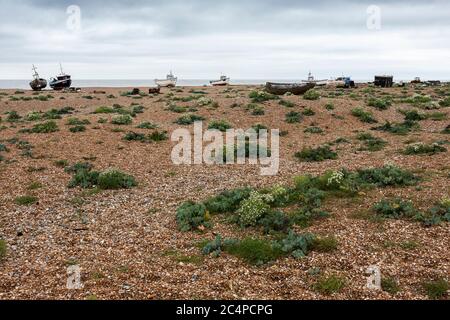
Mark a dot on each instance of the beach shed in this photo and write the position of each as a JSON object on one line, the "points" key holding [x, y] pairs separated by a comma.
{"points": [[384, 81]]}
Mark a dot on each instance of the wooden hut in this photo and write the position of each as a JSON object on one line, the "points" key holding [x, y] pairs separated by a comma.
{"points": [[384, 81]]}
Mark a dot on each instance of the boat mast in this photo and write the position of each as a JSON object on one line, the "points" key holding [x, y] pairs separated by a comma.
{"points": [[35, 75], [60, 67]]}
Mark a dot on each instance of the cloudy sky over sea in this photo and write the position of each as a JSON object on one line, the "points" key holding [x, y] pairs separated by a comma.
{"points": [[246, 39]]}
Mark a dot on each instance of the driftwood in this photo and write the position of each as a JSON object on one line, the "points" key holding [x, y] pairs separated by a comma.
{"points": [[283, 88]]}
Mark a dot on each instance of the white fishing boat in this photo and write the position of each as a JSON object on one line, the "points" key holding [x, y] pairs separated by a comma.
{"points": [[170, 81], [223, 81], [316, 82]]}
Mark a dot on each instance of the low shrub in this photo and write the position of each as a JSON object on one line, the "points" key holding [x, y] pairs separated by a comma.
{"points": [[395, 209], [389, 285], [147, 125], [46, 127], [293, 117], [325, 244], [311, 95], [253, 208], [446, 130], [77, 122], [113, 179], [254, 251], [398, 128], [421, 148], [308, 112], [437, 289], [261, 96], [25, 200], [380, 104], [318, 154], [158, 136], [13, 116], [371, 143], [389, 175], [330, 284], [122, 120], [3, 249], [189, 119], [192, 216], [220, 125], [227, 201], [287, 104], [104, 110], [363, 115], [315, 130], [75, 129]]}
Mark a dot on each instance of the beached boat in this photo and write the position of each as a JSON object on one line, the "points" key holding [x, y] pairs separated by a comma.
{"points": [[283, 88], [60, 82], [223, 81], [170, 81], [317, 82], [38, 83]]}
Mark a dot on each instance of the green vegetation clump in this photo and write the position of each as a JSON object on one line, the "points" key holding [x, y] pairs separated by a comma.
{"points": [[13, 116], [421, 148], [398, 128], [293, 117], [25, 200], [308, 112], [111, 179], [330, 284], [104, 110], [122, 120], [76, 129], [395, 209], [3, 249], [158, 136], [325, 244], [389, 285], [318, 154], [371, 143], [445, 103], [315, 130], [46, 127], [287, 104], [189, 119], [329, 106], [380, 104], [227, 201], [147, 125], [253, 208], [413, 115], [446, 130], [191, 216], [311, 95], [363, 115], [220, 125], [77, 122], [261, 96], [437, 289], [388, 175]]}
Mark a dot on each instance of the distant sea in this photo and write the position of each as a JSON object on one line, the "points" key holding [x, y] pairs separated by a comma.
{"points": [[24, 84]]}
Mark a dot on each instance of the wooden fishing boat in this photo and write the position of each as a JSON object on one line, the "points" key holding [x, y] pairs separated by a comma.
{"points": [[223, 81], [170, 81], [283, 88], [38, 83], [60, 82]]}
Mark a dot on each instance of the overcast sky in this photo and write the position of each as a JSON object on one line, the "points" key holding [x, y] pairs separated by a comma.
{"points": [[246, 39]]}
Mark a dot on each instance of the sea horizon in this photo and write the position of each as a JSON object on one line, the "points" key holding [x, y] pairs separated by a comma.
{"points": [[125, 83]]}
